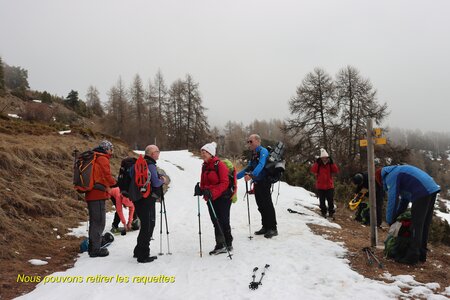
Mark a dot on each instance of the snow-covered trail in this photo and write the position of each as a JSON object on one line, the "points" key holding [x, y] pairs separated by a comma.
{"points": [[302, 264]]}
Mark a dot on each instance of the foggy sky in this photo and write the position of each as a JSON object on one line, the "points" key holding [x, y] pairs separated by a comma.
{"points": [[248, 56]]}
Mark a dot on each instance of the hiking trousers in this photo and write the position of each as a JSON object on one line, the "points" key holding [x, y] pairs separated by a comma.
{"points": [[145, 209], [264, 202], [421, 215], [327, 195], [222, 207], [97, 219]]}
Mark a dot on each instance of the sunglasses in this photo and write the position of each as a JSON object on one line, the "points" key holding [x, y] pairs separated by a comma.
{"points": [[249, 142]]}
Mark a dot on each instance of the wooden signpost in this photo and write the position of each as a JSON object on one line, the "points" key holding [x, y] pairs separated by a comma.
{"points": [[373, 138]]}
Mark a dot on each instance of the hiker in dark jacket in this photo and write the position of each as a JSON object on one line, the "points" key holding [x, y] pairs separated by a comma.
{"points": [[361, 180], [324, 169], [405, 184], [96, 198], [255, 171], [213, 186], [145, 207]]}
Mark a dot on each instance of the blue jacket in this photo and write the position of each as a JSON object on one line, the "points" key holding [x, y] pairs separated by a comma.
{"points": [[405, 184], [256, 166]]}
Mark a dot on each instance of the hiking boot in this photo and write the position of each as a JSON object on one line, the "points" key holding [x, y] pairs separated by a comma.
{"points": [[147, 259], [324, 214], [271, 233], [261, 231], [218, 249], [102, 252]]}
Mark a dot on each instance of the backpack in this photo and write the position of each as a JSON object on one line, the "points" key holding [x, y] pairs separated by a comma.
{"points": [[231, 191], [134, 178], [363, 213], [275, 164], [107, 239], [83, 170], [399, 237]]}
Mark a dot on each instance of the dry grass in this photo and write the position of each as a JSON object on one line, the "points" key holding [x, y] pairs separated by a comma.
{"points": [[37, 196]]}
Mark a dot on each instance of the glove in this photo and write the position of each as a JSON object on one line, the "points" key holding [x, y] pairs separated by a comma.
{"points": [[125, 194], [207, 194], [197, 190]]}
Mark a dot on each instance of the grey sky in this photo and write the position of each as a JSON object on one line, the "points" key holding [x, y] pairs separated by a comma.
{"points": [[248, 56]]}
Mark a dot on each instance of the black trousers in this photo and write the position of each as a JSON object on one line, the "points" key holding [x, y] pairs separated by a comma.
{"points": [[97, 219], [328, 196], [221, 207], [263, 198], [145, 209], [421, 215]]}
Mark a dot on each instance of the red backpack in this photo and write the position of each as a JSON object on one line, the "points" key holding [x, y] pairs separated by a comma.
{"points": [[142, 176]]}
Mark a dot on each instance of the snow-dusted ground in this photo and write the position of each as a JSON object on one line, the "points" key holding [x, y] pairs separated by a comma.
{"points": [[302, 265]]}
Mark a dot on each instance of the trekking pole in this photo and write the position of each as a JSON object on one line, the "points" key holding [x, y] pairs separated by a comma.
{"points": [[380, 265], [295, 212], [248, 213], [218, 225], [369, 259], [167, 225], [199, 227], [253, 278], [160, 229], [278, 194]]}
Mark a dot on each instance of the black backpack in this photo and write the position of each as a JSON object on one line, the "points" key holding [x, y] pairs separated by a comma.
{"points": [[275, 164]]}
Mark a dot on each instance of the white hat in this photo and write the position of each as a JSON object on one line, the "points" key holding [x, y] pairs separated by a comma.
{"points": [[323, 153], [211, 148]]}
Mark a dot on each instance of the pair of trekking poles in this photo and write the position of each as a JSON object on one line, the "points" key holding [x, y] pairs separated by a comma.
{"points": [[217, 221], [163, 205]]}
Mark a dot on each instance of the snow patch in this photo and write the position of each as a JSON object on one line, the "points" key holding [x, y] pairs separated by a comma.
{"points": [[37, 262]]}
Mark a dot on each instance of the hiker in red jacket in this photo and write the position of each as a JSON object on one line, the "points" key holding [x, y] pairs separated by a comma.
{"points": [[213, 186], [120, 200], [96, 198], [324, 168]]}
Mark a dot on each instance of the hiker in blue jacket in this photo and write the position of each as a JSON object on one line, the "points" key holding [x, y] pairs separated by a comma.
{"points": [[255, 171], [404, 184]]}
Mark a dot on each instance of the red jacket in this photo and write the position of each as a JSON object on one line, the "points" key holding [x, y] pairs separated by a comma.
{"points": [[102, 175], [122, 200], [215, 183], [324, 179]]}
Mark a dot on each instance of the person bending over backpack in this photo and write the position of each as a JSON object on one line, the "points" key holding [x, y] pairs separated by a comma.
{"points": [[324, 168], [361, 180], [96, 198], [120, 200], [213, 187], [404, 184]]}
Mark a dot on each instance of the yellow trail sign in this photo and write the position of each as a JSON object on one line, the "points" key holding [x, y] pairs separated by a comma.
{"points": [[377, 141]]}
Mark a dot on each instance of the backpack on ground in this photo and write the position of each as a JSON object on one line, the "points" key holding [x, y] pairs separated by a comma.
{"points": [[231, 191], [134, 178], [275, 164], [107, 239], [83, 171], [399, 237]]}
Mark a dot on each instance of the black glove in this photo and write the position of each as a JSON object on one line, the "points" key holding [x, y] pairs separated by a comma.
{"points": [[125, 194], [207, 195], [197, 190]]}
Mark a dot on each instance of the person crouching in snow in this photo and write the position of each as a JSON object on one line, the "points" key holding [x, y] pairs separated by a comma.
{"points": [[213, 187], [118, 199], [324, 168]]}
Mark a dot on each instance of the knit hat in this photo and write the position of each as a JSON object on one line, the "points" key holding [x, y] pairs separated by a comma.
{"points": [[323, 153], [210, 148], [106, 145]]}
